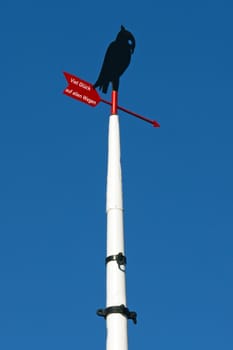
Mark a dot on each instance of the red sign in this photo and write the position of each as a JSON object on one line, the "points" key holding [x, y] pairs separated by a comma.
{"points": [[81, 90]]}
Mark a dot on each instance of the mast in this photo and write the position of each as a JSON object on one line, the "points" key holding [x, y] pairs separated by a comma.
{"points": [[116, 61], [116, 312]]}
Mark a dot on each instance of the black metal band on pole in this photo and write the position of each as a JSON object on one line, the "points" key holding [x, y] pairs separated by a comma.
{"points": [[131, 315], [119, 258]]}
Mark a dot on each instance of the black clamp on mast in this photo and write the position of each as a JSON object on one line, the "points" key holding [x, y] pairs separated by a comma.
{"points": [[122, 309], [119, 258], [131, 315]]}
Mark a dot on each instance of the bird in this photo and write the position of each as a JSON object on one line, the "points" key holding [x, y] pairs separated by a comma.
{"points": [[116, 60]]}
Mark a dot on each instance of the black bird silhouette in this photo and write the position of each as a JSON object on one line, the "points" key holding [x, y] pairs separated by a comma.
{"points": [[116, 60]]}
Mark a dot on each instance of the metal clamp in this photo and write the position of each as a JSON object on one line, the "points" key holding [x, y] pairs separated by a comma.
{"points": [[119, 258], [131, 315]]}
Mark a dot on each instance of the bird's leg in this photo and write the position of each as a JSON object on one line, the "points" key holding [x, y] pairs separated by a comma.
{"points": [[115, 83]]}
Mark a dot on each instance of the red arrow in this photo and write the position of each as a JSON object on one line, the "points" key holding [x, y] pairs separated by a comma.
{"points": [[83, 91]]}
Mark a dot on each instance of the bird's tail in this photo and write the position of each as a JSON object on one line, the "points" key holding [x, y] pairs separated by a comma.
{"points": [[102, 86], [105, 87]]}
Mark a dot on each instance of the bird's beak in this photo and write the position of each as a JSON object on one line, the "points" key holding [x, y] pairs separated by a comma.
{"points": [[132, 43]]}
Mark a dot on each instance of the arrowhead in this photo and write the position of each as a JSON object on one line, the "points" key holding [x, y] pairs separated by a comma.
{"points": [[155, 124]]}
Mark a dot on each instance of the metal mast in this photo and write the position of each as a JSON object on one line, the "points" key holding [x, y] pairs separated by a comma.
{"points": [[116, 312], [116, 61]]}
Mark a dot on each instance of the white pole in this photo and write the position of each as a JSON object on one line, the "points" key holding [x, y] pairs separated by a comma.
{"points": [[116, 323], [116, 312]]}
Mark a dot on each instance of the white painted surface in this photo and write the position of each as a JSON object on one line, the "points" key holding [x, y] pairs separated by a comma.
{"points": [[117, 338]]}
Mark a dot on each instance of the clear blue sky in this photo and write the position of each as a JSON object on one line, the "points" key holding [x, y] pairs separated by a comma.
{"points": [[178, 180]]}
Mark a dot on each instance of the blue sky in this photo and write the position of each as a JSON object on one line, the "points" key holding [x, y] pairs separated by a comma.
{"points": [[178, 191]]}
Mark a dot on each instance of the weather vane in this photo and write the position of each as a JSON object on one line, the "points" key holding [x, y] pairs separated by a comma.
{"points": [[116, 61]]}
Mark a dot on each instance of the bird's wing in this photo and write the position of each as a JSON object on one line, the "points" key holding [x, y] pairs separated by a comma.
{"points": [[110, 59], [117, 58]]}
